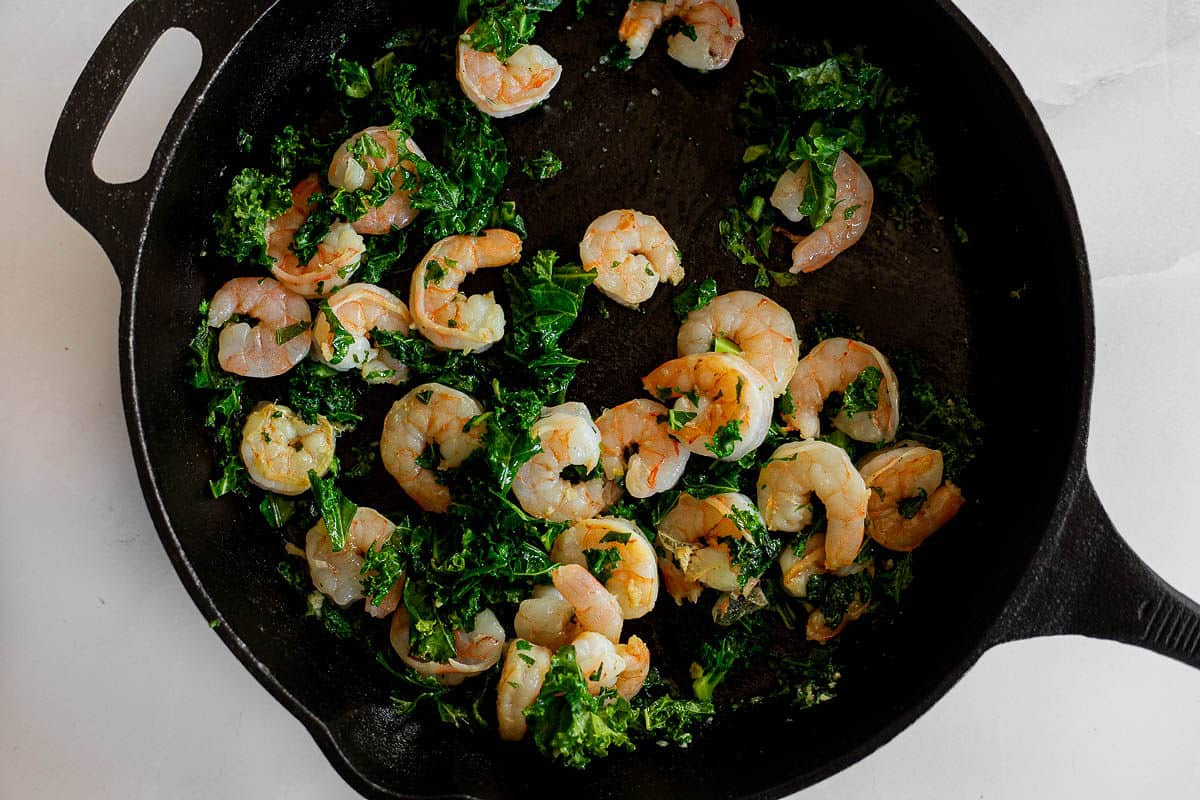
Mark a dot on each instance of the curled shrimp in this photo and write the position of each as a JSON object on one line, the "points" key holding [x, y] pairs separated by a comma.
{"points": [[338, 254], [694, 538], [371, 155], [577, 602], [568, 438], [797, 470], [726, 403], [712, 29], [905, 476], [634, 577], [636, 445], [475, 651], [361, 308], [631, 253], [279, 448], [636, 655], [431, 423], [443, 314], [505, 88], [830, 367], [521, 679], [336, 573], [546, 618], [756, 327], [598, 660], [255, 351], [816, 629], [851, 213], [796, 569]]}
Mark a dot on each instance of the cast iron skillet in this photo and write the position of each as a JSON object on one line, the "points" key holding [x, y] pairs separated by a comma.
{"points": [[1033, 555]]}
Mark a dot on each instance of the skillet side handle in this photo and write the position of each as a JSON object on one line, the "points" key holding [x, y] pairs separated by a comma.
{"points": [[115, 213], [1091, 583]]}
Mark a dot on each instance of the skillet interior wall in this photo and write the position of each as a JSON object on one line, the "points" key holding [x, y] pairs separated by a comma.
{"points": [[673, 155]]}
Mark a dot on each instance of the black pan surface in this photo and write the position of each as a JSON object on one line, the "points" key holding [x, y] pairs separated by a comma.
{"points": [[1032, 554]]}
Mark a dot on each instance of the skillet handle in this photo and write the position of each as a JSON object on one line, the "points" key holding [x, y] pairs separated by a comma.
{"points": [[115, 214], [1091, 583]]}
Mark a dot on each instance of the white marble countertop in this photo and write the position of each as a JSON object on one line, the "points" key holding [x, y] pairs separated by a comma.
{"points": [[113, 686]]}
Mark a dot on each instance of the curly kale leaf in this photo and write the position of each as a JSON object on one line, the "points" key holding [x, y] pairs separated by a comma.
{"points": [[568, 724], [252, 201], [695, 296], [318, 390]]}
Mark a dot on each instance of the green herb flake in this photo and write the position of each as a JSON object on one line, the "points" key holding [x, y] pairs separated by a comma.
{"points": [[544, 166]]}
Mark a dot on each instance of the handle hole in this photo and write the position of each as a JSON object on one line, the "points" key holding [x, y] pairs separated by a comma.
{"points": [[133, 133]]}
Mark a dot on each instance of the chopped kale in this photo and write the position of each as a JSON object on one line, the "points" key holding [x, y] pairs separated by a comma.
{"points": [[317, 390], [724, 439], [695, 295], [252, 201], [568, 724], [337, 511], [863, 392], [544, 166]]}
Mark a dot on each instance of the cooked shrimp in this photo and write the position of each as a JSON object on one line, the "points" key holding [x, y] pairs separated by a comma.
{"points": [[634, 578], [568, 438], [254, 351], [797, 568], [726, 402], [756, 327], [338, 254], [443, 314], [595, 608], [631, 253], [505, 88], [546, 618], [818, 630], [521, 679], [435, 418], [370, 155], [715, 25], [361, 308], [577, 602], [830, 367], [475, 651], [636, 445], [694, 538], [598, 660], [913, 473], [794, 472], [637, 666], [851, 214], [279, 448], [336, 573]]}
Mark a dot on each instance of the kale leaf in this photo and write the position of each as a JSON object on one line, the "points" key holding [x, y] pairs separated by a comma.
{"points": [[252, 201], [568, 724], [544, 166], [695, 295]]}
